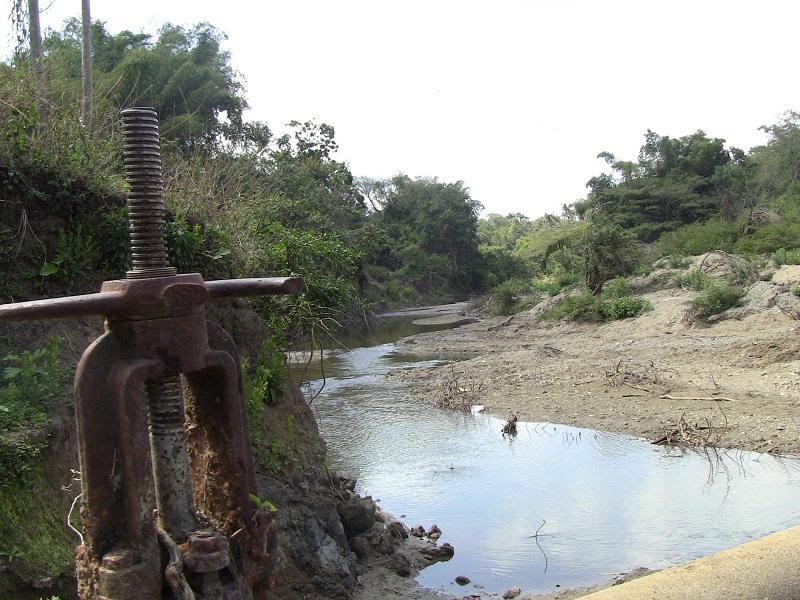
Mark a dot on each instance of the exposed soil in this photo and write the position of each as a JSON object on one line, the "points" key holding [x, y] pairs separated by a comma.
{"points": [[737, 378], [731, 383]]}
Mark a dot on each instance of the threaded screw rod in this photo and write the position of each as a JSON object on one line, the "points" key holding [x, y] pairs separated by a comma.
{"points": [[142, 157]]}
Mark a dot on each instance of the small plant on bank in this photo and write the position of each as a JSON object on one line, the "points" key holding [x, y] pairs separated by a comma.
{"points": [[73, 256], [613, 304], [33, 382], [786, 257], [714, 299]]}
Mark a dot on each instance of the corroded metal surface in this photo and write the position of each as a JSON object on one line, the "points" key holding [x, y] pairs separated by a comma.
{"points": [[166, 465]]}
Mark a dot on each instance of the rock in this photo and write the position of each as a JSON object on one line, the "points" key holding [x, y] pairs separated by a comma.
{"points": [[418, 531], [434, 533], [512, 593], [438, 553], [398, 530], [357, 516], [462, 580]]}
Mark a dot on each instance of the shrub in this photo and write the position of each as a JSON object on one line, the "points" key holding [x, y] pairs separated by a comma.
{"points": [[786, 257], [626, 307], [504, 297], [699, 238], [584, 306], [714, 299], [616, 288], [34, 381]]}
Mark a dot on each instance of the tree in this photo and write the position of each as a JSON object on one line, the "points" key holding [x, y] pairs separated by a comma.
{"points": [[86, 64], [314, 191], [609, 251], [780, 158], [25, 20], [670, 185], [375, 191], [434, 226]]}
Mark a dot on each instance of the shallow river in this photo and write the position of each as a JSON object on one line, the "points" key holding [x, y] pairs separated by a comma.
{"points": [[553, 506]]}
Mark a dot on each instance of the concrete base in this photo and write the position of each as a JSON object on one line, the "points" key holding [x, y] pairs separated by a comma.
{"points": [[764, 569]]}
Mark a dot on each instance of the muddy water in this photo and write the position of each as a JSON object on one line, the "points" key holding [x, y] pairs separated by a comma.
{"points": [[554, 506]]}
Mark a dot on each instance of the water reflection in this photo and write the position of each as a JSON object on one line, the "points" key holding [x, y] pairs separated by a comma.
{"points": [[601, 503]]}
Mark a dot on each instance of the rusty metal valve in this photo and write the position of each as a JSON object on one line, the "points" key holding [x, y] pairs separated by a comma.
{"points": [[166, 465]]}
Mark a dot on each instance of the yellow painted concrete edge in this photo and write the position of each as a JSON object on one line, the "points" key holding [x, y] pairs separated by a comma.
{"points": [[764, 569]]}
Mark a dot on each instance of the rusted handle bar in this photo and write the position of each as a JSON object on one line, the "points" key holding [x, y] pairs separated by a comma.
{"points": [[114, 302], [60, 308], [258, 286]]}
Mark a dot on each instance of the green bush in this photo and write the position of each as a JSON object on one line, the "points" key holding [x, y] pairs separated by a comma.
{"points": [[786, 257], [616, 288], [113, 241], [33, 382], [626, 307], [198, 249], [699, 238], [504, 297], [585, 306], [715, 298]]}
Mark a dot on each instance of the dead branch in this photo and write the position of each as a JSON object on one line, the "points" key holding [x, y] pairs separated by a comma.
{"points": [[706, 398], [460, 391], [693, 434], [646, 378]]}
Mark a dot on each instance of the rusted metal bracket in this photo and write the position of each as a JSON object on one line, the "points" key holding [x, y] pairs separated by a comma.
{"points": [[166, 464]]}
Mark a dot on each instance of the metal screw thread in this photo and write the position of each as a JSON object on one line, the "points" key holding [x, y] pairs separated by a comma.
{"points": [[168, 449], [166, 405], [142, 158]]}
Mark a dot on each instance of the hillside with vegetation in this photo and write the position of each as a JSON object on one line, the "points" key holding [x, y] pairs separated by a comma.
{"points": [[244, 202]]}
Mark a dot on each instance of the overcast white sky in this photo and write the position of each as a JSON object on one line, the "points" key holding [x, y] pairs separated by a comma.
{"points": [[513, 97]]}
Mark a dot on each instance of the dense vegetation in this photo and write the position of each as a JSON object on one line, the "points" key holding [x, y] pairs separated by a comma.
{"points": [[245, 202]]}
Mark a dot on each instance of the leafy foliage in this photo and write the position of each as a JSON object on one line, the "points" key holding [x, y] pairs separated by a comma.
{"points": [[34, 380], [714, 299], [786, 257], [608, 252], [434, 228], [586, 306]]}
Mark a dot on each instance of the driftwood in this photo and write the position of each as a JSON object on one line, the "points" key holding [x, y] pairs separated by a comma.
{"points": [[510, 427], [503, 324], [707, 398]]}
